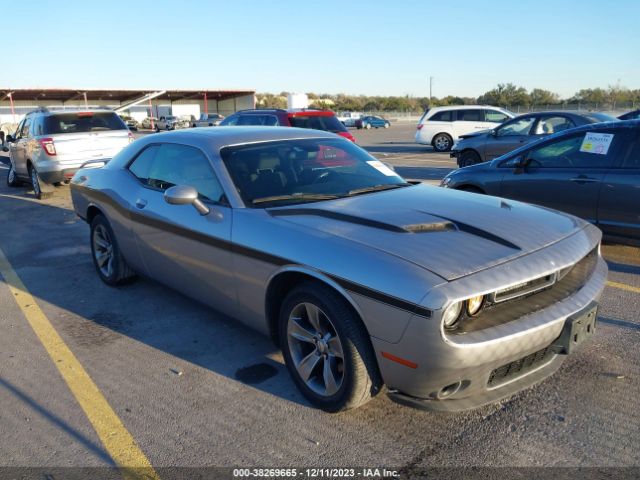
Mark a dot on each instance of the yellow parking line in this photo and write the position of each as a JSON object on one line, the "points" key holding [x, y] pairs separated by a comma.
{"points": [[624, 286], [116, 439]]}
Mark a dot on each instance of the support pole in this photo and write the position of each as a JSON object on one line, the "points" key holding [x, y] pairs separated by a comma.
{"points": [[151, 114], [13, 110], [86, 104], [206, 105]]}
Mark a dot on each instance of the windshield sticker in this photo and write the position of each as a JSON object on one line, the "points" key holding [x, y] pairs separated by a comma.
{"points": [[597, 143], [382, 168]]}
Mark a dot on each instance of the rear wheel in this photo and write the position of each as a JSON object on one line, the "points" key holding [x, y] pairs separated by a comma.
{"points": [[40, 191], [111, 266], [442, 142], [468, 158], [12, 178], [327, 349]]}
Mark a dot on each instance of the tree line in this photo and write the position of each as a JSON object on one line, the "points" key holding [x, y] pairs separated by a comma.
{"points": [[505, 95]]}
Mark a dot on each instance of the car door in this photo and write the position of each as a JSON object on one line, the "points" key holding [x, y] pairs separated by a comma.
{"points": [[468, 121], [565, 174], [509, 136], [19, 148], [178, 246], [619, 206]]}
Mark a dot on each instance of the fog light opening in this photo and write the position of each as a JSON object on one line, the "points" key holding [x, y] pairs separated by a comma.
{"points": [[449, 390]]}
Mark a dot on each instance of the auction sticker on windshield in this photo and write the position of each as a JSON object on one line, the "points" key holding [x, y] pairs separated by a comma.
{"points": [[382, 168], [598, 143]]}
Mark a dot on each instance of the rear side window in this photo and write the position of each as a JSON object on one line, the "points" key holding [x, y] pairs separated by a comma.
{"points": [[318, 122], [475, 115], [82, 122], [576, 151], [633, 159], [549, 125], [444, 116], [259, 120]]}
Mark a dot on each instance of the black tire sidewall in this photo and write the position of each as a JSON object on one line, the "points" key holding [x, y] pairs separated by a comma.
{"points": [[469, 158], [445, 136], [15, 181], [37, 188], [310, 294]]}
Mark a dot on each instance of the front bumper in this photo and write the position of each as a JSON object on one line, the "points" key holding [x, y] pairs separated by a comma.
{"points": [[457, 372]]}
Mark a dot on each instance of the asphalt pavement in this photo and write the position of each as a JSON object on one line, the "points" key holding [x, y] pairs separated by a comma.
{"points": [[195, 388]]}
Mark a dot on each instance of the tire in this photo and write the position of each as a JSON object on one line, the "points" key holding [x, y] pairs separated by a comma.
{"points": [[386, 125], [12, 178], [39, 191], [157, 129], [335, 331], [468, 158], [367, 126], [442, 142], [110, 265]]}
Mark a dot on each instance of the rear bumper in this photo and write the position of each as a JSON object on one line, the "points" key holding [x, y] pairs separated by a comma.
{"points": [[57, 175]]}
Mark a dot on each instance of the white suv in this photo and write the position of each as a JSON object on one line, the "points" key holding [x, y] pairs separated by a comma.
{"points": [[441, 126]]}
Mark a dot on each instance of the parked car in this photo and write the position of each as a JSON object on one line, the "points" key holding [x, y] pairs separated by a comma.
{"points": [[208, 120], [50, 145], [172, 122], [371, 121], [441, 126], [591, 171], [479, 147], [146, 122], [362, 279], [130, 122], [302, 118], [349, 119], [633, 115]]}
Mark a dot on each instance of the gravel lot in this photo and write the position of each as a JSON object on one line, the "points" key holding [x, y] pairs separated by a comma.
{"points": [[175, 371]]}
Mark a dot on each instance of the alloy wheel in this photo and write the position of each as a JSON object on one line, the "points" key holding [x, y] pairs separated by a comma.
{"points": [[103, 250], [316, 349], [35, 182]]}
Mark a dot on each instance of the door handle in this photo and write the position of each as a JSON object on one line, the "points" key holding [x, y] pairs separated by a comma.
{"points": [[583, 179], [141, 203]]}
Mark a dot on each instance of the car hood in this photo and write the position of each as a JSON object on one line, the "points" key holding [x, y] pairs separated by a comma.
{"points": [[481, 133], [448, 232]]}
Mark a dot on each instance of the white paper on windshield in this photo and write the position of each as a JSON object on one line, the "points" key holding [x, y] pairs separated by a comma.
{"points": [[597, 143], [382, 168]]}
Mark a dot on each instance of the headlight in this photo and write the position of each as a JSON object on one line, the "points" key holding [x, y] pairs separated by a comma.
{"points": [[445, 182], [451, 315], [474, 305]]}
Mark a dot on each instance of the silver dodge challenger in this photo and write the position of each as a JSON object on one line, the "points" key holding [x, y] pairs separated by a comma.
{"points": [[448, 299]]}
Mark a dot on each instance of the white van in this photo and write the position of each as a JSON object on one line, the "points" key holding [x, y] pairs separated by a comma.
{"points": [[441, 126]]}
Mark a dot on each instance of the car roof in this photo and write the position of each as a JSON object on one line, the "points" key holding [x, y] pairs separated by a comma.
{"points": [[294, 111], [464, 107]]}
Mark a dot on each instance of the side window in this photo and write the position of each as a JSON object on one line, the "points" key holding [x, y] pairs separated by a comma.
{"points": [[16, 134], [231, 120], [549, 125], [472, 115], [518, 127], [169, 164], [26, 128], [495, 116], [36, 129], [633, 158], [574, 152], [444, 116]]}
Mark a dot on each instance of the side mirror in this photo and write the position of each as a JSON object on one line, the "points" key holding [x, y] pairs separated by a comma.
{"points": [[185, 195], [10, 139]]}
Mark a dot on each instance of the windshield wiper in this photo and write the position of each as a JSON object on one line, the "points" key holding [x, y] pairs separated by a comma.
{"points": [[377, 188], [294, 196]]}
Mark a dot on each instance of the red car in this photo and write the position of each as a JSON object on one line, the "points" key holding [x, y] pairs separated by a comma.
{"points": [[302, 118]]}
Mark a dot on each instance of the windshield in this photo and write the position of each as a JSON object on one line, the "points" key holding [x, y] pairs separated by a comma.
{"points": [[298, 171], [600, 117], [82, 122], [318, 122]]}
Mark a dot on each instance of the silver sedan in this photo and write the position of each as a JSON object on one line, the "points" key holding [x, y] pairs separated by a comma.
{"points": [[363, 279]]}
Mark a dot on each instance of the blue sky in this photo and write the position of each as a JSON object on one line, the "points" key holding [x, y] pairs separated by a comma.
{"points": [[388, 47]]}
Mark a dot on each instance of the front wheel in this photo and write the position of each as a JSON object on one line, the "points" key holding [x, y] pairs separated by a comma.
{"points": [[327, 349], [12, 178], [442, 142], [468, 158], [111, 266]]}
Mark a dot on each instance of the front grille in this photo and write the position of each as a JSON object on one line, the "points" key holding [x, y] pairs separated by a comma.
{"points": [[570, 280], [520, 367]]}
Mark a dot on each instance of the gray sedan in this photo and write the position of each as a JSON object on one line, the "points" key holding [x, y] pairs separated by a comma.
{"points": [[487, 145], [449, 299]]}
